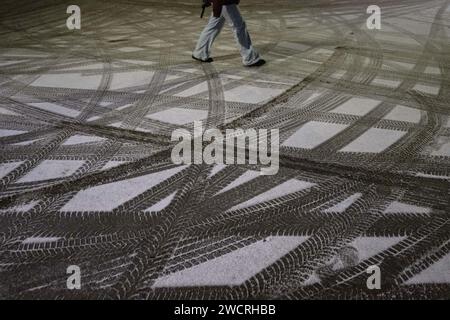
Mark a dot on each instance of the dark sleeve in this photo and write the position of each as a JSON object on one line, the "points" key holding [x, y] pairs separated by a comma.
{"points": [[227, 2], [217, 8]]}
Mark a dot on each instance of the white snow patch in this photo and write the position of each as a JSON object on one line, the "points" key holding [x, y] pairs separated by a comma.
{"points": [[402, 113], [113, 164], [426, 89], [21, 207], [199, 88], [40, 240], [162, 204], [8, 133], [313, 134], [51, 107], [78, 139], [357, 106], [216, 169], [245, 177], [444, 150], [26, 143], [432, 70], [109, 196], [439, 272], [130, 49], [427, 175], [7, 112], [7, 167], [370, 246], [287, 187], [386, 82], [178, 116], [130, 79], [68, 80], [401, 207], [345, 204], [374, 140], [251, 94], [235, 267], [51, 169]]}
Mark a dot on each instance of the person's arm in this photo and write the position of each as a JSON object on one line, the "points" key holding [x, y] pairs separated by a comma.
{"points": [[217, 8]]}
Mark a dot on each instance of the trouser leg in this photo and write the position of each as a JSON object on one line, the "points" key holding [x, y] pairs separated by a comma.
{"points": [[234, 18], [207, 37]]}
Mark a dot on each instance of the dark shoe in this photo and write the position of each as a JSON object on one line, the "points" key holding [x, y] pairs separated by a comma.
{"points": [[209, 60], [258, 63]]}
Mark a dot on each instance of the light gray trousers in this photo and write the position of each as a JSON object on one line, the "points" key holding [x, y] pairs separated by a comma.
{"points": [[231, 14]]}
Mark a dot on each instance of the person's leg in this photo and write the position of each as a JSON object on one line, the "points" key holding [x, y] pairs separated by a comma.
{"points": [[234, 18], [207, 37]]}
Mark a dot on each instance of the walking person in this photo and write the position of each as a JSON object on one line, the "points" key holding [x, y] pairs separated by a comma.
{"points": [[226, 11]]}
